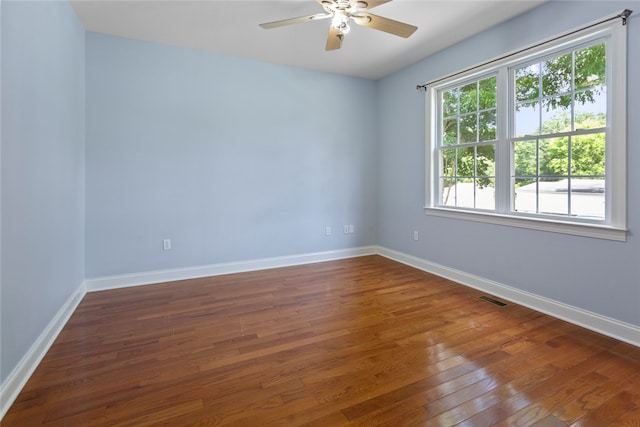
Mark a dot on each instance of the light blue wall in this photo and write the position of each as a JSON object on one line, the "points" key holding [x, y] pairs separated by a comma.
{"points": [[42, 169], [597, 275], [236, 160], [232, 159]]}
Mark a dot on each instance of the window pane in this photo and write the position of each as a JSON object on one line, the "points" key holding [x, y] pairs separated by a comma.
{"points": [[465, 169], [465, 193], [468, 100], [487, 129], [591, 108], [587, 198], [450, 131], [527, 82], [450, 103], [527, 119], [561, 122], [525, 195], [588, 155], [465, 163], [447, 178], [590, 66], [448, 192], [554, 158], [485, 194], [557, 75], [487, 93], [468, 128], [553, 197], [556, 114], [525, 159], [485, 177], [486, 160], [448, 162]]}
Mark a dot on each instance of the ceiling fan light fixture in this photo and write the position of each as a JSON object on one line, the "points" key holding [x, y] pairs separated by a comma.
{"points": [[340, 22]]}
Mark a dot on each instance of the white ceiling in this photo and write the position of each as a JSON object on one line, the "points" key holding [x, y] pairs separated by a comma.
{"points": [[231, 28]]}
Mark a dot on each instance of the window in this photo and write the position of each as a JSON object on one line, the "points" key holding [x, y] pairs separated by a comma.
{"points": [[535, 140]]}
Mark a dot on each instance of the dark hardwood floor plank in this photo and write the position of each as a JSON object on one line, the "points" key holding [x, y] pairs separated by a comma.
{"points": [[631, 418]]}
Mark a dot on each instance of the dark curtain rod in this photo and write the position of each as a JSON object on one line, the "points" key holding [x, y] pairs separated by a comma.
{"points": [[624, 15]]}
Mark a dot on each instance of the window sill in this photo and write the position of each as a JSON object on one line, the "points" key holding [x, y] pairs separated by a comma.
{"points": [[597, 231]]}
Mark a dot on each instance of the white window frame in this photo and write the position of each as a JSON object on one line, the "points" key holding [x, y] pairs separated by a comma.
{"points": [[614, 225]]}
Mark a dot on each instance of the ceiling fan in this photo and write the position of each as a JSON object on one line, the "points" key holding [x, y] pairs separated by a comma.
{"points": [[342, 12]]}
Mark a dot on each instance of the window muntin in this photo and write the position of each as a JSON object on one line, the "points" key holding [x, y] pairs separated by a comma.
{"points": [[590, 109]]}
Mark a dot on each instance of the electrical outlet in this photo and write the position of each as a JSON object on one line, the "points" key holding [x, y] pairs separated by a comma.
{"points": [[345, 229], [350, 228], [166, 244], [327, 231], [415, 235]]}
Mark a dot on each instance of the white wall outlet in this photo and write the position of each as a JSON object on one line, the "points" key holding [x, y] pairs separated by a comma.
{"points": [[345, 229], [415, 235], [327, 231], [166, 244], [350, 228]]}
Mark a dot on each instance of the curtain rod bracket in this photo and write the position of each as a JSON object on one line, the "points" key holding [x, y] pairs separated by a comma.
{"points": [[625, 15], [421, 87]]}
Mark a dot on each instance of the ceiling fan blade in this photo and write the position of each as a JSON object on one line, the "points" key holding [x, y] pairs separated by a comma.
{"points": [[315, 17], [334, 40], [384, 24], [373, 3]]}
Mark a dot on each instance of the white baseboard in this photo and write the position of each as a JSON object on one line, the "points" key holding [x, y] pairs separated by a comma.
{"points": [[151, 277], [16, 380], [605, 325]]}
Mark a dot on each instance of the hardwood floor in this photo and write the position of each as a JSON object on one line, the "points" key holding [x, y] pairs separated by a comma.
{"points": [[364, 341]]}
